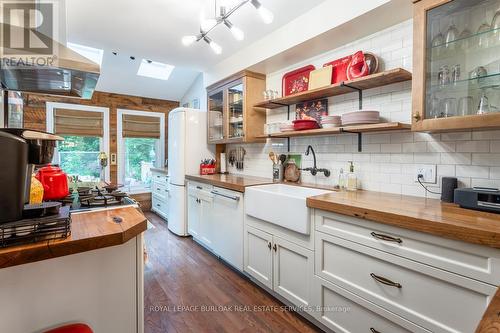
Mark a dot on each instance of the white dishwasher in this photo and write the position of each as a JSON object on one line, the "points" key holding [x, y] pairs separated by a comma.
{"points": [[227, 220]]}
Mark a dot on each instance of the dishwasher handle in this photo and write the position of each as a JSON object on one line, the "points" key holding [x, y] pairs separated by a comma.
{"points": [[235, 198]]}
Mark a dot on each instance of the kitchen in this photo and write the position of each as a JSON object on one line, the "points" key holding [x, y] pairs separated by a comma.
{"points": [[229, 167]]}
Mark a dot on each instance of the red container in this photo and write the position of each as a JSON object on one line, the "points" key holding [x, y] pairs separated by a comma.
{"points": [[297, 81], [54, 181], [304, 124], [339, 69], [207, 169]]}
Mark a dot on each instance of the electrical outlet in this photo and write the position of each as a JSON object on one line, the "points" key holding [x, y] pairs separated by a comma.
{"points": [[428, 171]]}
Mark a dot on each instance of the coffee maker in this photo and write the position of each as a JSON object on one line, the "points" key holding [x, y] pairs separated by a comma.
{"points": [[21, 149]]}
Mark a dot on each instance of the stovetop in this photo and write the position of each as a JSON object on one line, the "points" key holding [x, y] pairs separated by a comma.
{"points": [[96, 198]]}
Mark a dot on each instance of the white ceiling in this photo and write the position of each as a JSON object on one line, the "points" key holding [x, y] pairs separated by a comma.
{"points": [[152, 29]]}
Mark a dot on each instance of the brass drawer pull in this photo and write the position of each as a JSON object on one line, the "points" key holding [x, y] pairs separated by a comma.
{"points": [[386, 238], [386, 281], [374, 330]]}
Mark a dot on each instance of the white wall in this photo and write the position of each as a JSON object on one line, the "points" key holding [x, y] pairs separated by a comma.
{"points": [[326, 16], [197, 90], [388, 160]]}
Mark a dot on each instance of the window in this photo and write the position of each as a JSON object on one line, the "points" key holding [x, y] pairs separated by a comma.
{"points": [[141, 145], [85, 130], [78, 155]]}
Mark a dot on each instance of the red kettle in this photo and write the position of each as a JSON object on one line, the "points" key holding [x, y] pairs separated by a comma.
{"points": [[54, 181]]}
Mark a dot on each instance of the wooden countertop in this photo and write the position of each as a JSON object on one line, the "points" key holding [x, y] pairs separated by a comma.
{"points": [[160, 170], [230, 182], [89, 231], [419, 214]]}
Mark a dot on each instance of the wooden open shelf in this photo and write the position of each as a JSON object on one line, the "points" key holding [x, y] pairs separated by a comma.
{"points": [[381, 127], [367, 82]]}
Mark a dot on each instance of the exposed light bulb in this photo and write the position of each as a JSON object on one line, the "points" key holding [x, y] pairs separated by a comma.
{"points": [[215, 47], [266, 15], [188, 40], [238, 34]]}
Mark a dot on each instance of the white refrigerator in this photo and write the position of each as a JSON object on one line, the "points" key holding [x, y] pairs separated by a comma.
{"points": [[187, 146]]}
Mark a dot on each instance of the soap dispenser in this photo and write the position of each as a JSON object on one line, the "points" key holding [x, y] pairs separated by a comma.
{"points": [[352, 180]]}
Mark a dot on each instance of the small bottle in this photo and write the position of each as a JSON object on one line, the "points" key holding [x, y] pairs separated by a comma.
{"points": [[341, 180], [352, 180]]}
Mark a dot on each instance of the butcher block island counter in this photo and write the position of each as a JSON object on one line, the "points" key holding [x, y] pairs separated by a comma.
{"points": [[94, 276]]}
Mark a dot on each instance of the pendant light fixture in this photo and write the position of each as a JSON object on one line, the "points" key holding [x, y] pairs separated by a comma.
{"points": [[207, 25]]}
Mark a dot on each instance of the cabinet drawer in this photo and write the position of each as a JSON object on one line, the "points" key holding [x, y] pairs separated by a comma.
{"points": [[345, 312], [160, 178], [160, 189], [160, 205], [474, 261], [435, 299]]}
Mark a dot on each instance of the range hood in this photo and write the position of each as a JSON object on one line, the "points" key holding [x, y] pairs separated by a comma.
{"points": [[68, 74]]}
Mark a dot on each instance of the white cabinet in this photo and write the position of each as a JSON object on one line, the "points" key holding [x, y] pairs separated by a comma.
{"points": [[227, 224], [280, 265], [199, 213], [408, 274], [193, 213], [258, 255], [292, 271], [160, 194], [345, 312]]}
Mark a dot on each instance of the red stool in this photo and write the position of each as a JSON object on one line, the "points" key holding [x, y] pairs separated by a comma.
{"points": [[73, 328]]}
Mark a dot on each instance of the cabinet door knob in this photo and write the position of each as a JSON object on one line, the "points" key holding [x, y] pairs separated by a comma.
{"points": [[385, 281], [269, 245], [374, 330], [275, 248], [417, 116]]}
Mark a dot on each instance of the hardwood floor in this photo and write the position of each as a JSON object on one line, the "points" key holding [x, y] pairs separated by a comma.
{"points": [[181, 278]]}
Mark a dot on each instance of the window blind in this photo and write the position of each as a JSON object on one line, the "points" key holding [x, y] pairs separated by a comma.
{"points": [[78, 122], [135, 126]]}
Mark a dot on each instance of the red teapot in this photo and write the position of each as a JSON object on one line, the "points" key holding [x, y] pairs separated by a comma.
{"points": [[54, 181]]}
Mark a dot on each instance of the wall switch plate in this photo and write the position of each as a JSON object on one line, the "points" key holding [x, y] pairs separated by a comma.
{"points": [[428, 171]]}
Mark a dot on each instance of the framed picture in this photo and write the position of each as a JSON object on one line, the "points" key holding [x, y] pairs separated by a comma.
{"points": [[312, 110]]}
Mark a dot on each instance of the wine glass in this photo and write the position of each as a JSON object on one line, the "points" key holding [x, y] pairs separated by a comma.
{"points": [[448, 107], [484, 104], [451, 35], [482, 38]]}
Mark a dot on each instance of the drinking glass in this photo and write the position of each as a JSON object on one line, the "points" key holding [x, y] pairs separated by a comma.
{"points": [[484, 105], [465, 106], [434, 105], [451, 35], [464, 39], [448, 107], [495, 24]]}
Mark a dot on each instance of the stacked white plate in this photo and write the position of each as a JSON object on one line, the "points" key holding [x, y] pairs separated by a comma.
{"points": [[331, 121], [361, 117]]}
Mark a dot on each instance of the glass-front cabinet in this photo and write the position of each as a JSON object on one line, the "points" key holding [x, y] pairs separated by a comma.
{"points": [[456, 78], [216, 116], [231, 116]]}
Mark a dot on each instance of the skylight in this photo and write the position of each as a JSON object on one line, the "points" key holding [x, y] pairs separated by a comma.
{"points": [[155, 70], [88, 52]]}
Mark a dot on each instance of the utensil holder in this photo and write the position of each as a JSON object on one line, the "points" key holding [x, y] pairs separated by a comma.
{"points": [[277, 173]]}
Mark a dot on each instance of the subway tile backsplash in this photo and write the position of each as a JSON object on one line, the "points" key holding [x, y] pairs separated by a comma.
{"points": [[388, 160]]}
